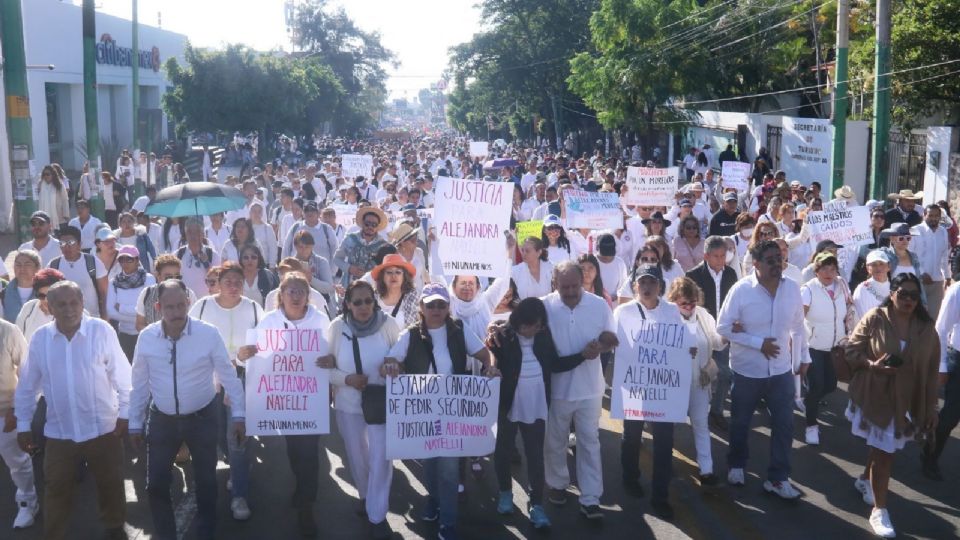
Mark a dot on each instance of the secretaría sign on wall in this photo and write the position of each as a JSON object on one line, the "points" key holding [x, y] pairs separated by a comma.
{"points": [[108, 52]]}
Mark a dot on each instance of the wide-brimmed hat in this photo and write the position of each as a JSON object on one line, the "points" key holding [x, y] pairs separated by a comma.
{"points": [[658, 215], [403, 231], [393, 259], [896, 229], [361, 213], [845, 192], [906, 194]]}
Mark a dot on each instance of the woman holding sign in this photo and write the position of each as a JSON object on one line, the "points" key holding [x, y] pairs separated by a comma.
{"points": [[438, 344], [303, 451], [359, 340]]}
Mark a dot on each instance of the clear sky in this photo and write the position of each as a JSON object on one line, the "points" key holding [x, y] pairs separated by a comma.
{"points": [[419, 32]]}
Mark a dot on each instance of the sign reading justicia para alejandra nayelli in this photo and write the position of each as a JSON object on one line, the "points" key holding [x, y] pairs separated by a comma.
{"points": [[108, 52]]}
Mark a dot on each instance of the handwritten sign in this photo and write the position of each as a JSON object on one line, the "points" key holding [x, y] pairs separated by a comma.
{"points": [[441, 416], [526, 229], [287, 393], [472, 218], [847, 226], [346, 214], [592, 210], [652, 371], [479, 148], [736, 174], [354, 165], [651, 187]]}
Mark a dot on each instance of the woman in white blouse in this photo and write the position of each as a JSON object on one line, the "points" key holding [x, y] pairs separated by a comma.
{"points": [[534, 275], [359, 340], [264, 234]]}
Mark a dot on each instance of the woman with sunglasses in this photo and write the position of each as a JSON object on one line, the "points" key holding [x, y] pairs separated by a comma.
{"points": [[555, 241], [765, 230], [360, 338], [303, 451], [166, 267], [36, 313], [688, 298], [122, 294], [688, 245], [894, 355], [671, 267], [396, 293], [439, 344], [258, 280], [860, 272], [901, 259], [647, 255]]}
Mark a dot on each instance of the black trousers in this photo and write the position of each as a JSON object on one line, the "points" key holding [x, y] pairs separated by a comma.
{"points": [[950, 413], [533, 435], [303, 452], [662, 454], [821, 380]]}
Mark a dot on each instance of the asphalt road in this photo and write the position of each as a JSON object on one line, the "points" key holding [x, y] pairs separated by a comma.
{"points": [[830, 508]]}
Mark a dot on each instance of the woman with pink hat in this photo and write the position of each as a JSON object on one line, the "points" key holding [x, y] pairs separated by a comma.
{"points": [[122, 295]]}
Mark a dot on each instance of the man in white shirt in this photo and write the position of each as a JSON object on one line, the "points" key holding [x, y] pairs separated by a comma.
{"points": [[196, 258], [581, 324], [47, 246], [323, 234], [86, 224], [613, 271], [529, 177], [932, 246], [84, 269], [217, 232], [177, 364], [948, 328], [77, 361], [762, 316]]}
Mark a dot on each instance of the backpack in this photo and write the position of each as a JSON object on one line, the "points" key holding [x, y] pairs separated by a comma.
{"points": [[182, 252], [91, 270]]}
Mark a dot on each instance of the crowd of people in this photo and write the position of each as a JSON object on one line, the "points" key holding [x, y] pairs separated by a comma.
{"points": [[131, 331]]}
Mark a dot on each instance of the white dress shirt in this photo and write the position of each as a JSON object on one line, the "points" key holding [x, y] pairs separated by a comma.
{"points": [[932, 247], [86, 381], [527, 286], [763, 316], [948, 323], [572, 329], [181, 376]]}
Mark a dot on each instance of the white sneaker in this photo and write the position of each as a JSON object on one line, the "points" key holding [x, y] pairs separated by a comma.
{"points": [[863, 486], [813, 435], [735, 477], [239, 508], [784, 490], [880, 521], [25, 515], [800, 405]]}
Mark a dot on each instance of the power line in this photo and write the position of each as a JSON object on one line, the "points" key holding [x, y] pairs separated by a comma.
{"points": [[779, 24]]}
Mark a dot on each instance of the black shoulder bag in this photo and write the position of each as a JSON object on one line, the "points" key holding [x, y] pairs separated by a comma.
{"points": [[373, 397]]}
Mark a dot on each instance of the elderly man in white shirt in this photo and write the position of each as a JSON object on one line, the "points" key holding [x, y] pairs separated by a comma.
{"points": [[77, 363], [763, 320], [581, 324], [932, 246], [177, 364]]}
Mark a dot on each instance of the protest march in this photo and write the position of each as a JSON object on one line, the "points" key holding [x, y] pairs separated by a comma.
{"points": [[425, 307]]}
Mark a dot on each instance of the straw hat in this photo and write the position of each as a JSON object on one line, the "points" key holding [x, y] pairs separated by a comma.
{"points": [[361, 213], [845, 192], [403, 231], [906, 194]]}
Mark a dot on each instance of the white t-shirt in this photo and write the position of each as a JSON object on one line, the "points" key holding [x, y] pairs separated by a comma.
{"points": [[233, 323], [441, 353], [572, 329], [48, 253], [76, 272], [613, 274]]}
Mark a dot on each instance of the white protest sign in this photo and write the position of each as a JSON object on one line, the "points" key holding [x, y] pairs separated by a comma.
{"points": [[736, 174], [592, 210], [346, 214], [471, 218], [807, 144], [847, 226], [441, 416], [652, 371], [354, 165], [651, 187], [479, 148], [287, 393]]}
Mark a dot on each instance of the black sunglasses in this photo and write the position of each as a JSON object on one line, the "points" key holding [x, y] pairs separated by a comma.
{"points": [[362, 302], [909, 295]]}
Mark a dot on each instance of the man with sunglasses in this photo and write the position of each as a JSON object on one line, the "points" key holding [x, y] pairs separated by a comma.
{"points": [[167, 266], [762, 316], [84, 269]]}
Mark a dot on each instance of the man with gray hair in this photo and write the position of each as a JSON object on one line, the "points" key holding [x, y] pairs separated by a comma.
{"points": [[78, 360], [196, 257], [715, 278], [582, 325]]}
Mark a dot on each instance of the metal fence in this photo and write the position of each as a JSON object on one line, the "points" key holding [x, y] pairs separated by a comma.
{"points": [[907, 161], [774, 136]]}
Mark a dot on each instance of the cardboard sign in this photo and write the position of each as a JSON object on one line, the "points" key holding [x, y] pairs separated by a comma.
{"points": [[736, 174], [472, 218], [286, 392], [441, 416], [592, 210], [479, 148], [652, 371], [346, 214], [526, 229], [651, 187], [354, 165], [847, 226]]}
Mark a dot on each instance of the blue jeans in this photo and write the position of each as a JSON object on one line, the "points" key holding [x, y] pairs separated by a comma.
{"points": [[443, 475], [165, 434], [777, 393], [722, 384]]}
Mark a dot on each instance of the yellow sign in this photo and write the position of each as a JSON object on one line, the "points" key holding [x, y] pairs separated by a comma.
{"points": [[18, 106], [526, 229]]}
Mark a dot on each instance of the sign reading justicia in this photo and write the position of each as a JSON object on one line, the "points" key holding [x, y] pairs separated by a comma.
{"points": [[109, 53]]}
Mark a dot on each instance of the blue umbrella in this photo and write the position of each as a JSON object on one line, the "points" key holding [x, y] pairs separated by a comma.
{"points": [[196, 199], [500, 163]]}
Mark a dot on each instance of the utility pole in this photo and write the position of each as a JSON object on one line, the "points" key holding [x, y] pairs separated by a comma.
{"points": [[137, 183], [881, 103], [840, 83], [556, 121], [18, 115], [90, 106]]}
